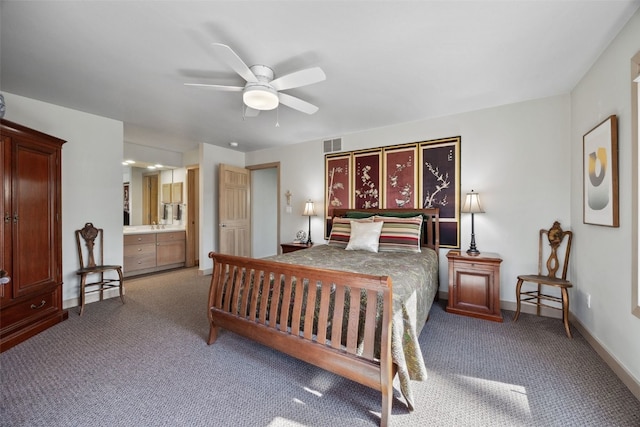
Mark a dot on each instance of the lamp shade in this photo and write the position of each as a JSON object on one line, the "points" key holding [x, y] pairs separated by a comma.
{"points": [[472, 203], [309, 209], [260, 97]]}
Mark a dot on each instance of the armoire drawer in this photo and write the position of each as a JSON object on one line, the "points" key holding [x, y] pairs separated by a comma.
{"points": [[28, 310]]}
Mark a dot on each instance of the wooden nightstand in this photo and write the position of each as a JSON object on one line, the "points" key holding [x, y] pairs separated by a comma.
{"points": [[474, 285], [292, 247]]}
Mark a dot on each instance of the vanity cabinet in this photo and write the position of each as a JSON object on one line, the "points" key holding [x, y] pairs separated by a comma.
{"points": [[170, 248], [139, 252], [154, 251], [30, 233]]}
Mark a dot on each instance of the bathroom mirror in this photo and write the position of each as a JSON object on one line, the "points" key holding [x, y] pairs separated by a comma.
{"points": [[153, 196]]}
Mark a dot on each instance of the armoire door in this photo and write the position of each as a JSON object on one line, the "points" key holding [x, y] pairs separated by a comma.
{"points": [[6, 292], [33, 194]]}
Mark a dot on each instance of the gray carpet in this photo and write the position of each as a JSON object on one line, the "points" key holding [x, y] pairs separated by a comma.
{"points": [[146, 363]]}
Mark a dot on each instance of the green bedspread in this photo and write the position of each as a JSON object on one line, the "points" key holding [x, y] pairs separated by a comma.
{"points": [[415, 283]]}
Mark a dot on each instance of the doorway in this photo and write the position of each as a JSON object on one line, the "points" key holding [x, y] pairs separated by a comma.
{"points": [[265, 213], [193, 217], [150, 199]]}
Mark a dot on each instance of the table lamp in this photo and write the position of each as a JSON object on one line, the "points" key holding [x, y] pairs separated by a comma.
{"points": [[309, 210], [472, 205]]}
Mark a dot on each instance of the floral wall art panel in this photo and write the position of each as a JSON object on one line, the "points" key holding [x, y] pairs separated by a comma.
{"points": [[367, 167], [400, 176], [337, 185], [440, 185]]}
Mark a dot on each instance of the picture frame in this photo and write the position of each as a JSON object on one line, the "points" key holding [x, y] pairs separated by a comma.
{"points": [[125, 192], [338, 189], [439, 182], [600, 174], [367, 169], [400, 176]]}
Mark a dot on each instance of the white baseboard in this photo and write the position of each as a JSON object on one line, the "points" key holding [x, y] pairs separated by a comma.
{"points": [[627, 379], [75, 302], [621, 372]]}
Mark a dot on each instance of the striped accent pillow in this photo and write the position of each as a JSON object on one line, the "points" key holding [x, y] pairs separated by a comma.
{"points": [[400, 234], [341, 231]]}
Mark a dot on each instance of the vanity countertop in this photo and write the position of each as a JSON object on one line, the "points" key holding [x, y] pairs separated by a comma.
{"points": [[144, 229]]}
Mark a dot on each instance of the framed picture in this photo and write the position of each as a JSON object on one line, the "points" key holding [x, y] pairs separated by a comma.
{"points": [[400, 174], [439, 171], [367, 168], [337, 180], [600, 174]]}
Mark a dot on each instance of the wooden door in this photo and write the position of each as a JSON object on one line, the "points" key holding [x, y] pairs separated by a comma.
{"points": [[5, 210], [150, 205], [193, 223], [234, 211]]}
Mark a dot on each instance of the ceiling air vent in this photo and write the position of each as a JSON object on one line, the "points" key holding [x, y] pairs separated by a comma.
{"points": [[331, 145]]}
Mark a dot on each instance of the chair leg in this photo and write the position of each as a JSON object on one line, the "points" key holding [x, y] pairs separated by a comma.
{"points": [[518, 286], [121, 285], [83, 279], [565, 311]]}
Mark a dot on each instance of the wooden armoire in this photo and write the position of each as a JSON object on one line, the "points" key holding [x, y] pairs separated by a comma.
{"points": [[31, 250]]}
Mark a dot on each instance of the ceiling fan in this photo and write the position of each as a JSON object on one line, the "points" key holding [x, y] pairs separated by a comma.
{"points": [[261, 91]]}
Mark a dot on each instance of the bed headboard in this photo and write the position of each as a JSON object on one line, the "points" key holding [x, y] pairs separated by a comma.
{"points": [[430, 226]]}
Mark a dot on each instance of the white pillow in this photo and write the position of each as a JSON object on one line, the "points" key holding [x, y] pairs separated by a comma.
{"points": [[365, 236]]}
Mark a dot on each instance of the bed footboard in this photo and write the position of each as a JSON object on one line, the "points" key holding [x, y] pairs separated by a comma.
{"points": [[336, 320]]}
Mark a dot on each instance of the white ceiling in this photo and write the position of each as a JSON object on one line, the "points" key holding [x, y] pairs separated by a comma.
{"points": [[386, 62]]}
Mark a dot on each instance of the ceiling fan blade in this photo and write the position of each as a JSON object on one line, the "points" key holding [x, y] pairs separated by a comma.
{"points": [[233, 60], [217, 87], [251, 112], [297, 103], [299, 78]]}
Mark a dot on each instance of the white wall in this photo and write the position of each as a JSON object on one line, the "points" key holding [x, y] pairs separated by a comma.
{"points": [[91, 176], [210, 157], [601, 260], [147, 154], [517, 156]]}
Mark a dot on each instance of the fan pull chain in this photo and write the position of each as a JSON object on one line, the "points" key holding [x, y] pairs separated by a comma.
{"points": [[278, 116]]}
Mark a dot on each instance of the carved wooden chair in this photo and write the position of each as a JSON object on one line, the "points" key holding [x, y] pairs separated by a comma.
{"points": [[92, 238], [556, 251]]}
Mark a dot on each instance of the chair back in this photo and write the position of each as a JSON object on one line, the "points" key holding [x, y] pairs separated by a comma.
{"points": [[554, 251], [91, 253]]}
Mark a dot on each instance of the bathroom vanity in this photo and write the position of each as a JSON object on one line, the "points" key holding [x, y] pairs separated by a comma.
{"points": [[148, 250]]}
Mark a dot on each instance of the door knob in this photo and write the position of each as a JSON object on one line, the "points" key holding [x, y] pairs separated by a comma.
{"points": [[4, 279], [223, 225]]}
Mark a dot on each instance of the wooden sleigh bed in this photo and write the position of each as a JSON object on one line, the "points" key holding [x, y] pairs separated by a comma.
{"points": [[358, 323]]}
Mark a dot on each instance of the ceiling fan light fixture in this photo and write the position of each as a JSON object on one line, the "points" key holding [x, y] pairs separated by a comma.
{"points": [[260, 97]]}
